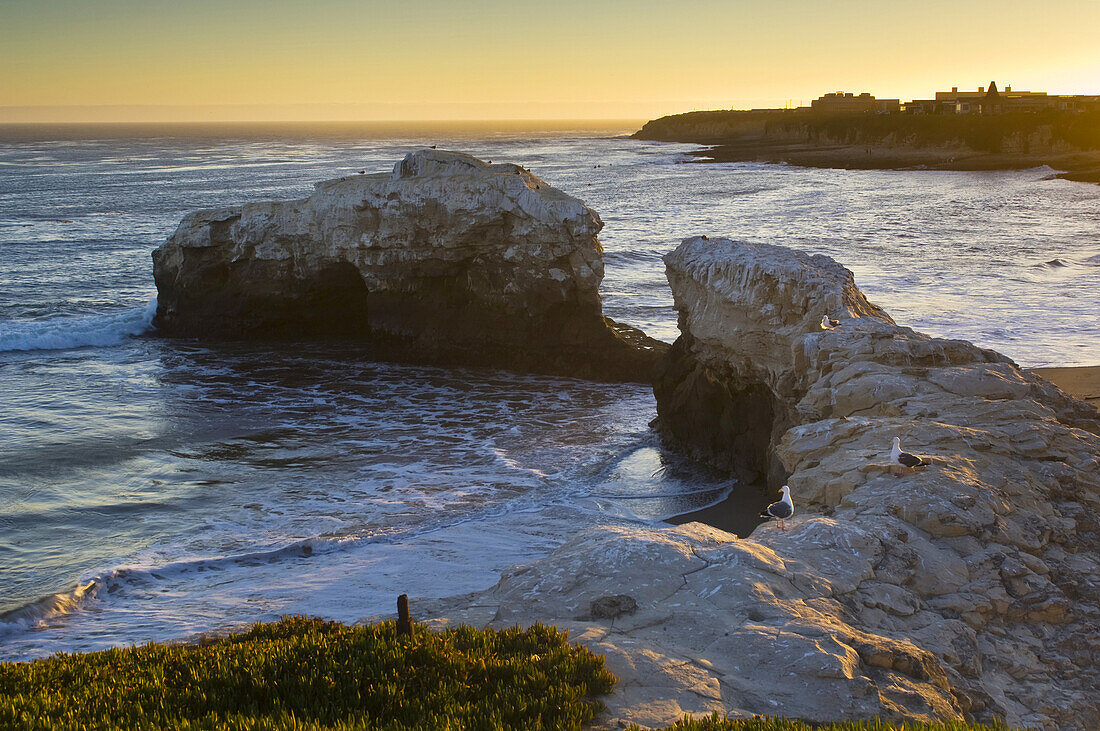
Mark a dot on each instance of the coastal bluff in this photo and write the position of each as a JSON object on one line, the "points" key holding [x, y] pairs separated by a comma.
{"points": [[448, 260], [965, 589], [1064, 140]]}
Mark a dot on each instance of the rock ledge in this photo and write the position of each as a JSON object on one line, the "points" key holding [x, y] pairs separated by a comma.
{"points": [[966, 589]]}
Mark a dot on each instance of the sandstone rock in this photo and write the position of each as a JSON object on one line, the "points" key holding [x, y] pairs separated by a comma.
{"points": [[447, 260], [726, 625], [973, 554], [610, 607], [968, 589]]}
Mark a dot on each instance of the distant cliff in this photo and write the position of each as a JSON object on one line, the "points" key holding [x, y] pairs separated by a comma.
{"points": [[1068, 140]]}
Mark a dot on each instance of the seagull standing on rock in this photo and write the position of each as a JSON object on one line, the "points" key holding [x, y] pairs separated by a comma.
{"points": [[828, 323], [904, 458], [781, 510]]}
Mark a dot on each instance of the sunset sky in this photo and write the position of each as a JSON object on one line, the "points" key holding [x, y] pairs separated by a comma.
{"points": [[81, 60]]}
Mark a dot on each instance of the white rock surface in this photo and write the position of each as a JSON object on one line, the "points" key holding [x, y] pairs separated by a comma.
{"points": [[967, 589], [448, 259]]}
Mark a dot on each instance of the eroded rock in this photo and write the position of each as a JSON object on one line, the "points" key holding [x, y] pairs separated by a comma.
{"points": [[966, 589], [447, 260], [979, 558]]}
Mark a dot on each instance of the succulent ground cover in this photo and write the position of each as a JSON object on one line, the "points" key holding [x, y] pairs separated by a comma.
{"points": [[302, 674]]}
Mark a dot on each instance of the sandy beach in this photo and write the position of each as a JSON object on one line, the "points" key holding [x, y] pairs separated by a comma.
{"points": [[1082, 381]]}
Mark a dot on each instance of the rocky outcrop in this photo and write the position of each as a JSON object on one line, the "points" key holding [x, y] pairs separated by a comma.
{"points": [[447, 260], [727, 399], [965, 589], [989, 558]]}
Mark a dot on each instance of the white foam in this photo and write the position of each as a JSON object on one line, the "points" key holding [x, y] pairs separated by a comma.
{"points": [[62, 333], [48, 608], [347, 582]]}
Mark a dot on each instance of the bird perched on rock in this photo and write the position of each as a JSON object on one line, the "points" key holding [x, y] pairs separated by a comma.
{"points": [[828, 323], [781, 510], [904, 458]]}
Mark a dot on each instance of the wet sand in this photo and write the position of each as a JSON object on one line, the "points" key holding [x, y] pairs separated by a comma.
{"points": [[737, 514], [1082, 381]]}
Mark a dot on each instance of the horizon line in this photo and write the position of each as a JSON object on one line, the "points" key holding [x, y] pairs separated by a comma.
{"points": [[612, 120]]}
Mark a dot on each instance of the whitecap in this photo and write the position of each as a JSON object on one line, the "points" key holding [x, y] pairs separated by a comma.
{"points": [[62, 333]]}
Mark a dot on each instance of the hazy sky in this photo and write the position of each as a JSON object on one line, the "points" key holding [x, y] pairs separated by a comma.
{"points": [[434, 59]]}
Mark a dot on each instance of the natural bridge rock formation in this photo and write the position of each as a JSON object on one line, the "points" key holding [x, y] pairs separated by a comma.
{"points": [[965, 589], [447, 260], [736, 374]]}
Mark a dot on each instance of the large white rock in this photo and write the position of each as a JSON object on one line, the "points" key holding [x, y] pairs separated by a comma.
{"points": [[448, 259], [966, 589]]}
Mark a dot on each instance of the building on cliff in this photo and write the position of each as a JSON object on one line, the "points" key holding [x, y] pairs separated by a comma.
{"points": [[992, 101], [848, 103]]}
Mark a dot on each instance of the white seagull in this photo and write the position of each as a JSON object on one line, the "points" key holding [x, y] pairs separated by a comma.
{"points": [[781, 510], [828, 323], [904, 458]]}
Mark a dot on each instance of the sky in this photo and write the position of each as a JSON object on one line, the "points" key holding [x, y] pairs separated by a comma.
{"points": [[185, 60]]}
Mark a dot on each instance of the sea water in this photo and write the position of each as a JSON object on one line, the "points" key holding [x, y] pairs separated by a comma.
{"points": [[151, 489]]}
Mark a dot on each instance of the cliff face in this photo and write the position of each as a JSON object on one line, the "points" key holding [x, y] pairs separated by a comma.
{"points": [[447, 260], [965, 589], [739, 369], [1046, 133], [988, 558]]}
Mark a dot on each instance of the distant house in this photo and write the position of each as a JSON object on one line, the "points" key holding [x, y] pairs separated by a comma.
{"points": [[848, 103], [972, 102], [991, 101], [921, 106], [982, 101], [1078, 103]]}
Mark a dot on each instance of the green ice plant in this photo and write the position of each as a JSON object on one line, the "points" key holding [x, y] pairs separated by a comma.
{"points": [[311, 675], [302, 674]]}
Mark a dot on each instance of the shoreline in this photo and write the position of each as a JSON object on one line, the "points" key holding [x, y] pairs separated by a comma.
{"points": [[737, 513], [1082, 382], [1078, 167], [1068, 142]]}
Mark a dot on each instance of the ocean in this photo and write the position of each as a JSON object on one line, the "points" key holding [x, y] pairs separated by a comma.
{"points": [[151, 489]]}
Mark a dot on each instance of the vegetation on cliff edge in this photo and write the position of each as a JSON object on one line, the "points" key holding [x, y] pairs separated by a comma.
{"points": [[303, 674], [1018, 132], [306, 674]]}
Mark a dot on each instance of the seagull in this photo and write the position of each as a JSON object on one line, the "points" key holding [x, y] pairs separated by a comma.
{"points": [[781, 510], [828, 323], [904, 458]]}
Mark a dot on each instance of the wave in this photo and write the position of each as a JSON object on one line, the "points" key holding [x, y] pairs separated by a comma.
{"points": [[42, 610], [62, 333], [1063, 263], [47, 609]]}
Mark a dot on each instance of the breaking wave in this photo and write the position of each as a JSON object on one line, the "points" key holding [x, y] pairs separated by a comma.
{"points": [[62, 333], [51, 608]]}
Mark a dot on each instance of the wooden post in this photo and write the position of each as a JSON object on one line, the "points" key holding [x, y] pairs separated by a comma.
{"points": [[404, 621]]}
